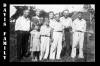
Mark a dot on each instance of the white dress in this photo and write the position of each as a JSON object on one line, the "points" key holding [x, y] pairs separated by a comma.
{"points": [[35, 41]]}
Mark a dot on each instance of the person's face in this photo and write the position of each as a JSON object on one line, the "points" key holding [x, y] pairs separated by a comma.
{"points": [[57, 16], [36, 27], [51, 15], [47, 21], [26, 13], [80, 16], [37, 13], [66, 13]]}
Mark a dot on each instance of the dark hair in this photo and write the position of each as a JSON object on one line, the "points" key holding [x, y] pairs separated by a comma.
{"points": [[65, 10], [80, 12], [51, 12], [57, 14], [25, 10]]}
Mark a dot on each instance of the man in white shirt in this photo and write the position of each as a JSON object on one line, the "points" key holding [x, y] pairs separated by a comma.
{"points": [[51, 19], [56, 46], [78, 29], [67, 22], [22, 27]]}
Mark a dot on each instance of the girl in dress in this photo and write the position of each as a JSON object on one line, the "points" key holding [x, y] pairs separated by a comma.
{"points": [[35, 43]]}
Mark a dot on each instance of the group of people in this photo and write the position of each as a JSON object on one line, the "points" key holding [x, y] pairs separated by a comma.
{"points": [[46, 41]]}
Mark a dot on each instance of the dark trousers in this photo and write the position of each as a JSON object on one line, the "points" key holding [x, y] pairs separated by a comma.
{"points": [[67, 41], [22, 43]]}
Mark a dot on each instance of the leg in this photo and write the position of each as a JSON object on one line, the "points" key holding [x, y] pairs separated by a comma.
{"points": [[75, 40], [47, 48], [32, 55], [35, 55], [19, 43], [52, 50], [67, 42], [31, 43], [38, 53], [23, 44], [69, 45], [53, 46], [38, 49], [81, 45], [42, 48], [59, 46], [26, 43]]}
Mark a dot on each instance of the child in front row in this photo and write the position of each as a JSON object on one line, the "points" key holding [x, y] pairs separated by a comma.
{"points": [[35, 43]]}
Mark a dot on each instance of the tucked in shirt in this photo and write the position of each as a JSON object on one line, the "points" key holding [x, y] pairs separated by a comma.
{"points": [[45, 30], [52, 22], [22, 24], [79, 25], [57, 26], [66, 22]]}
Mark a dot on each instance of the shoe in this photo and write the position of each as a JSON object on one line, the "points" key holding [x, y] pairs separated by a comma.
{"points": [[52, 59], [32, 59], [58, 58], [40, 59], [80, 56], [35, 59], [73, 57], [45, 59]]}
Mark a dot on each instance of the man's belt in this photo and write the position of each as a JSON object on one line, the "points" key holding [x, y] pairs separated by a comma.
{"points": [[67, 29], [21, 31], [58, 31], [45, 35], [79, 31]]}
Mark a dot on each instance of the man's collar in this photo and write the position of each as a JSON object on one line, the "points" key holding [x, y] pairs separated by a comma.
{"points": [[37, 17], [66, 17], [79, 19], [25, 17], [51, 19], [57, 20]]}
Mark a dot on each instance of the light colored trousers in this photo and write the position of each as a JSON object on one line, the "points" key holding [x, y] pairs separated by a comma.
{"points": [[78, 38], [56, 45], [44, 49]]}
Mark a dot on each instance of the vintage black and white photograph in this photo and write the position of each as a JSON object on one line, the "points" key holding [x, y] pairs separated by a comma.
{"points": [[52, 33]]}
